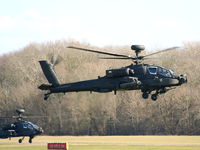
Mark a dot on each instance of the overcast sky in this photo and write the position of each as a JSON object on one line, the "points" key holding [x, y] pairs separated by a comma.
{"points": [[154, 23]]}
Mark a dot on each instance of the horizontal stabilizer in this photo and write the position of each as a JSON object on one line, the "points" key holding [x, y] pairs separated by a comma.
{"points": [[44, 87]]}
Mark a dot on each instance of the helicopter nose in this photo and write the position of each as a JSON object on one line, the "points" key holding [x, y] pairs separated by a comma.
{"points": [[182, 78]]}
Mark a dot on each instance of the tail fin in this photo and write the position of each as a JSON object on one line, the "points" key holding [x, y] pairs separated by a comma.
{"points": [[49, 73]]}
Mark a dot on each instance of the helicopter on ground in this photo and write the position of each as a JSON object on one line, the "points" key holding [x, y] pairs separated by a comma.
{"points": [[137, 76], [20, 128]]}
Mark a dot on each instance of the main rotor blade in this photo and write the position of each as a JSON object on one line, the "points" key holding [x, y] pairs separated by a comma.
{"points": [[127, 58], [24, 117], [6, 117], [173, 58], [165, 50], [100, 52], [37, 116]]}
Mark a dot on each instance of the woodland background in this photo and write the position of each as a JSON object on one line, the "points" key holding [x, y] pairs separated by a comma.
{"points": [[175, 113]]}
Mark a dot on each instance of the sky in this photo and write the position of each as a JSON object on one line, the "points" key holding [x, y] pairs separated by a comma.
{"points": [[153, 23]]}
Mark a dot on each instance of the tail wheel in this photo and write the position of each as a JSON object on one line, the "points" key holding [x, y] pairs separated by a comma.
{"points": [[46, 96]]}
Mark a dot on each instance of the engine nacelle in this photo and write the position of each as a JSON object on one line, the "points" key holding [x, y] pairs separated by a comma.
{"points": [[119, 72], [9, 127]]}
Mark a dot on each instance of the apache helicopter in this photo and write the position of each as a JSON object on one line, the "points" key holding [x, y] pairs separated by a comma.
{"points": [[137, 76], [20, 128]]}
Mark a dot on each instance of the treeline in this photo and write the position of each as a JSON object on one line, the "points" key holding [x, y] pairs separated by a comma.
{"points": [[176, 112]]}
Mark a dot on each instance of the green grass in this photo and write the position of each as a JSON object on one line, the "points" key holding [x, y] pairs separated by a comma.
{"points": [[106, 147], [24, 148], [108, 143]]}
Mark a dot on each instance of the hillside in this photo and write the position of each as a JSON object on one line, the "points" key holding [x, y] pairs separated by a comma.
{"points": [[176, 112]]}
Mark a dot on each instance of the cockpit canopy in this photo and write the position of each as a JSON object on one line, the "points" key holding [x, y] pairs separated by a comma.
{"points": [[155, 70], [27, 125]]}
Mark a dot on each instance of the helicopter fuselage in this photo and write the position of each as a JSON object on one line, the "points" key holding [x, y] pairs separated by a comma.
{"points": [[20, 129], [134, 77], [144, 77]]}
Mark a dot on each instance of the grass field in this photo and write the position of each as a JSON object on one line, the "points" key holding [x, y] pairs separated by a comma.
{"points": [[108, 143]]}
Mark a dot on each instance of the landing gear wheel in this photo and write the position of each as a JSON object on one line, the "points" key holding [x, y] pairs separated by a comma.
{"points": [[20, 141], [30, 141], [154, 97], [145, 95]]}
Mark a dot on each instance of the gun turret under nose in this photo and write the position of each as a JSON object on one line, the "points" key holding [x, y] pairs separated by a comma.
{"points": [[182, 78]]}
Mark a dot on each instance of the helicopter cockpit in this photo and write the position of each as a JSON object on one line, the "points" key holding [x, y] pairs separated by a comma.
{"points": [[34, 126], [164, 72], [154, 70], [27, 125]]}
